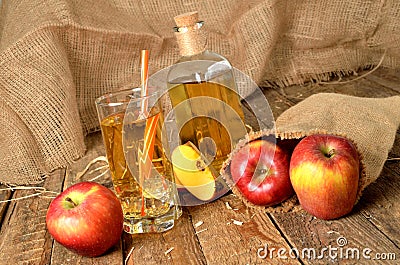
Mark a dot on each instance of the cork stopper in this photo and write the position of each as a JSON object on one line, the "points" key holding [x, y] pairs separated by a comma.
{"points": [[187, 19], [189, 34]]}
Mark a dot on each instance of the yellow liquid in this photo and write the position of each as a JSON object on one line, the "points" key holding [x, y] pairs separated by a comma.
{"points": [[210, 116], [154, 199]]}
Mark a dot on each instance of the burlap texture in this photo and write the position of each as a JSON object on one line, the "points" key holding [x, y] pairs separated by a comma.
{"points": [[57, 56], [370, 123]]}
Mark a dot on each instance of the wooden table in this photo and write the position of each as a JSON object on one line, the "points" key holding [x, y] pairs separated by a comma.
{"points": [[371, 230]]}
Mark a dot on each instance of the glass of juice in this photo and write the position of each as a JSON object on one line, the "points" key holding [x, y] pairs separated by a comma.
{"points": [[142, 176]]}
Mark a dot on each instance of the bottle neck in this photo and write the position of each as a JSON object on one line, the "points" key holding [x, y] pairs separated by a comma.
{"points": [[192, 40]]}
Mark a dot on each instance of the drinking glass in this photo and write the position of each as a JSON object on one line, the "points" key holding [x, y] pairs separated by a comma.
{"points": [[136, 147]]}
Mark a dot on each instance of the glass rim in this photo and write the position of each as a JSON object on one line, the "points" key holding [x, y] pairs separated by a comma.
{"points": [[100, 100]]}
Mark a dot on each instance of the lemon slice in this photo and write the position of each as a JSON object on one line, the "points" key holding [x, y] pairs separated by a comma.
{"points": [[192, 172]]}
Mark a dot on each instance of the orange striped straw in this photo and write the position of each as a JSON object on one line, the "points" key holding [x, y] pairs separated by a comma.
{"points": [[145, 156], [144, 74]]}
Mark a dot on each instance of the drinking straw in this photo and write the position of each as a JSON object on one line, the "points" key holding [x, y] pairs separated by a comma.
{"points": [[145, 156], [144, 74], [149, 135]]}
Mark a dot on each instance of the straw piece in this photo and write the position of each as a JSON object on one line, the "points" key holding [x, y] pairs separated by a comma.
{"points": [[168, 251]]}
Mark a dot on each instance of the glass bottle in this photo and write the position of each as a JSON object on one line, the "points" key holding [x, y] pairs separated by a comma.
{"points": [[203, 94]]}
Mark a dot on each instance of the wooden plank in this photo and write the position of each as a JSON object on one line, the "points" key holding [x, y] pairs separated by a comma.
{"points": [[5, 194], [184, 241], [233, 234], [387, 78], [379, 203], [61, 255], [312, 238], [146, 249], [278, 101], [24, 238], [176, 246], [371, 86]]}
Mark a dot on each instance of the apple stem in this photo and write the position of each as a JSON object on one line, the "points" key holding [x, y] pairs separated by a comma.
{"points": [[331, 153], [68, 199]]}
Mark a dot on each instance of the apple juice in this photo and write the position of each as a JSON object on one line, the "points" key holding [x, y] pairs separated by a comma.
{"points": [[151, 198], [210, 116]]}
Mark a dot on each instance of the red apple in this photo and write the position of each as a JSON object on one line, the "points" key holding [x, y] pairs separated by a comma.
{"points": [[324, 171], [261, 173], [86, 218]]}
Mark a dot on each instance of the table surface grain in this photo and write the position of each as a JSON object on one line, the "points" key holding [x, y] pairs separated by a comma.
{"points": [[369, 235]]}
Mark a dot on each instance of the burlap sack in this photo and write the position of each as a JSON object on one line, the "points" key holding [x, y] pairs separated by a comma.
{"points": [[57, 56], [370, 123]]}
